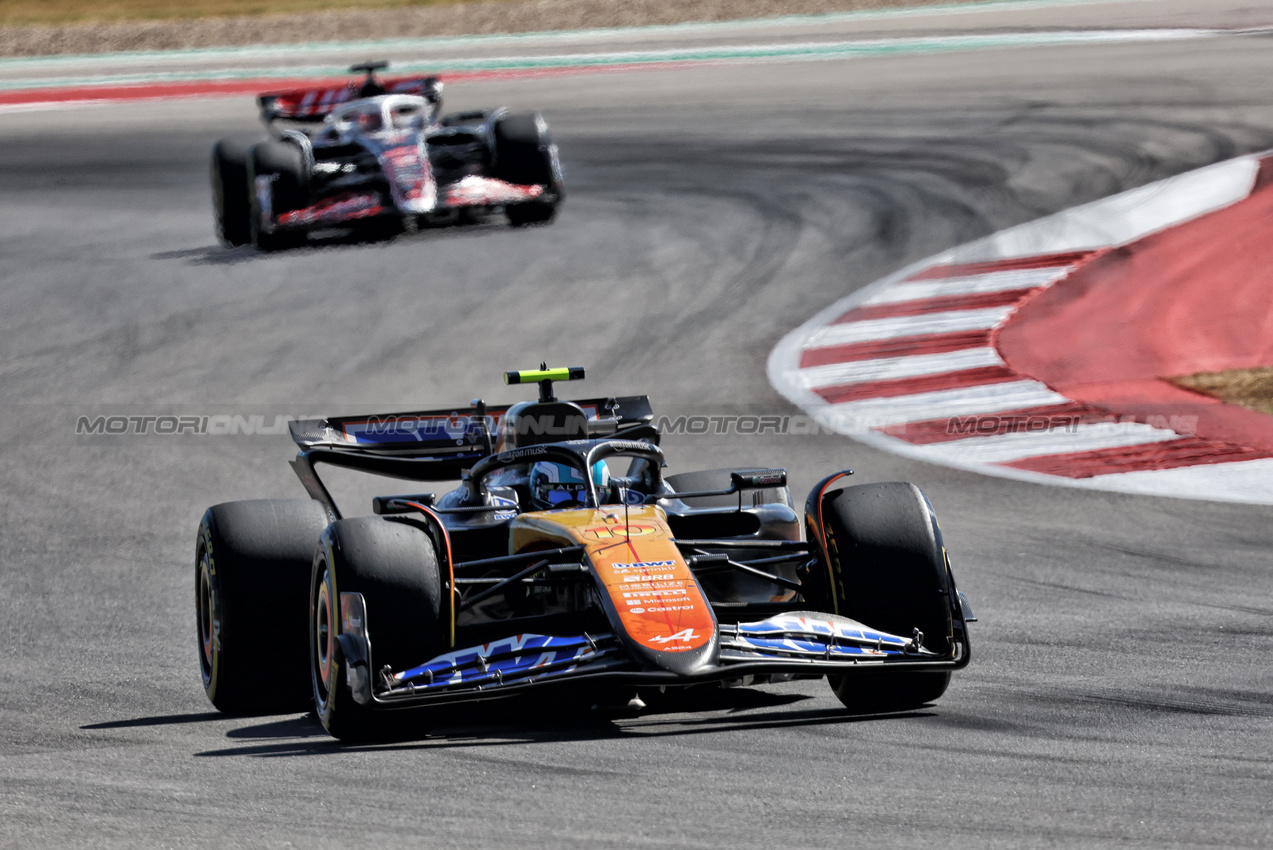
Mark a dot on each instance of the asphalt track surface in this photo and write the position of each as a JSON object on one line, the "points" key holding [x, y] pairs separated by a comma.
{"points": [[1120, 693]]}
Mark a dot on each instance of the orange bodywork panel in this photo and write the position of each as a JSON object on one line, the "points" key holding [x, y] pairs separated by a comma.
{"points": [[650, 589]]}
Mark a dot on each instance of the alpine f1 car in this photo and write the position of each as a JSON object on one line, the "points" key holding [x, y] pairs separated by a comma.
{"points": [[379, 151], [564, 557]]}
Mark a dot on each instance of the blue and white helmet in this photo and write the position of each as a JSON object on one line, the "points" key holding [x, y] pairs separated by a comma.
{"points": [[560, 485]]}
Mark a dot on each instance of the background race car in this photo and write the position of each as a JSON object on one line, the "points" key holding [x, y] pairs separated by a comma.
{"points": [[563, 557], [379, 152]]}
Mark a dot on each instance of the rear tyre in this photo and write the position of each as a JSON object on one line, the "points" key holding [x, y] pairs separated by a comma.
{"points": [[231, 207], [289, 190], [525, 155], [892, 576], [395, 567], [252, 565]]}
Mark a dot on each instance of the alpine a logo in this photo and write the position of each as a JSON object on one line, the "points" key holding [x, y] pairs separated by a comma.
{"points": [[684, 635]]}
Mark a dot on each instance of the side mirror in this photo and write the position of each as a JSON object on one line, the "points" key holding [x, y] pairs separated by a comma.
{"points": [[602, 427], [386, 505], [754, 479], [759, 479]]}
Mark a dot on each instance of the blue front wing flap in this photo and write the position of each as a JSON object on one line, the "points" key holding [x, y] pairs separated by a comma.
{"points": [[520, 657], [528, 658], [808, 635]]}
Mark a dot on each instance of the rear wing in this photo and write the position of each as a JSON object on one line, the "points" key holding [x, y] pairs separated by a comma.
{"points": [[443, 433], [424, 445], [315, 104]]}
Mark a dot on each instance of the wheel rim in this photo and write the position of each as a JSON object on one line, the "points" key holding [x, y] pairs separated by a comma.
{"points": [[323, 634], [206, 614]]}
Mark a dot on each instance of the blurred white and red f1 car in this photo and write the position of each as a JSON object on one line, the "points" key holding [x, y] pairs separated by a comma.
{"points": [[379, 151], [564, 560]]}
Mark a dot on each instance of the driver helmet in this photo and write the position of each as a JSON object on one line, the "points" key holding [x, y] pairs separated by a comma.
{"points": [[558, 485]]}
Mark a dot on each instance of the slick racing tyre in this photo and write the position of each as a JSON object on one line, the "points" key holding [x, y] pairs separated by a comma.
{"points": [[526, 156], [230, 203], [285, 165], [252, 563], [394, 565], [892, 566]]}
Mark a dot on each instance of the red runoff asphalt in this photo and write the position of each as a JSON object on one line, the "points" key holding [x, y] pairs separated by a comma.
{"points": [[1192, 298]]}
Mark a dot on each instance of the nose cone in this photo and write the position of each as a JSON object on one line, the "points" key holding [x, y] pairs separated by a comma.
{"points": [[652, 598]]}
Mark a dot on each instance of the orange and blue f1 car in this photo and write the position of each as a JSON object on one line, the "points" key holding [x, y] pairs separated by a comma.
{"points": [[565, 559]]}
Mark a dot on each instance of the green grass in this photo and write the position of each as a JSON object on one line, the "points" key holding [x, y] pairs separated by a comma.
{"points": [[54, 12], [1252, 388]]}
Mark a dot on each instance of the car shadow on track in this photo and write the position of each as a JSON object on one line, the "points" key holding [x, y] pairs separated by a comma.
{"points": [[504, 723], [159, 720], [218, 255], [211, 255]]}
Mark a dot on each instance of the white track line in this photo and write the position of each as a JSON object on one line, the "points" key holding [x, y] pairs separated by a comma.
{"points": [[888, 368], [1239, 481], [902, 326], [1120, 219], [978, 284], [860, 416]]}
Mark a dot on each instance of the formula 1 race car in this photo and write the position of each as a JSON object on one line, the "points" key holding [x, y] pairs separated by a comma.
{"points": [[564, 560], [379, 152]]}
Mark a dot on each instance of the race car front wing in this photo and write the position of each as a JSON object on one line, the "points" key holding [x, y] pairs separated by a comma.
{"points": [[798, 644]]}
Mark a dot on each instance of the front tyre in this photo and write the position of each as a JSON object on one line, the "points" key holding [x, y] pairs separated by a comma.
{"points": [[890, 573], [279, 169], [526, 156], [252, 562], [889, 691], [394, 566], [231, 205]]}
